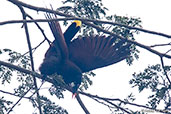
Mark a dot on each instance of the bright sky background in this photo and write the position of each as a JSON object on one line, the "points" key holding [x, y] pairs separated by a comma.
{"points": [[112, 81]]}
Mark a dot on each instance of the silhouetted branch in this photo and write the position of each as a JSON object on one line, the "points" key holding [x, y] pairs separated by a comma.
{"points": [[18, 101], [82, 104], [125, 102], [97, 21], [168, 51], [34, 48], [160, 45], [13, 94], [103, 103], [31, 57], [38, 20], [42, 31]]}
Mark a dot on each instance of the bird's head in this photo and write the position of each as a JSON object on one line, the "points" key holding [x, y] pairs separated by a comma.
{"points": [[75, 85]]}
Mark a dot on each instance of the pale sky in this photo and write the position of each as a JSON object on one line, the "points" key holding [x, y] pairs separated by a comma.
{"points": [[155, 15]]}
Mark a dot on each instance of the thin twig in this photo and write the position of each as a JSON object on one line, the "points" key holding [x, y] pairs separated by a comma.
{"points": [[38, 20], [167, 51], [98, 100], [42, 31], [118, 107], [125, 102], [160, 45], [13, 94], [18, 101], [34, 48]]}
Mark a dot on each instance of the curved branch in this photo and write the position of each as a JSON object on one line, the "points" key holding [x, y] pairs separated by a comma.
{"points": [[18, 101], [82, 104], [97, 21], [31, 57], [42, 31], [152, 46], [5, 92]]}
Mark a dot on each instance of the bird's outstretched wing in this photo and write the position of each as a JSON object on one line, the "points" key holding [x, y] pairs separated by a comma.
{"points": [[90, 53]]}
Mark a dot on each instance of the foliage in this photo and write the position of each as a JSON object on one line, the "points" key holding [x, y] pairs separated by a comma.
{"points": [[57, 91], [125, 32], [154, 78], [50, 107], [4, 105], [86, 81], [84, 8], [24, 80]]}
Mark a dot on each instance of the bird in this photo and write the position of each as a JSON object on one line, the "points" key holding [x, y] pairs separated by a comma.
{"points": [[71, 57]]}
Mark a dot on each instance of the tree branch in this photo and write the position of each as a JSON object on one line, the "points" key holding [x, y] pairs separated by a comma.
{"points": [[18, 101], [42, 31], [97, 21], [31, 57], [13, 94], [82, 104], [152, 46], [112, 99]]}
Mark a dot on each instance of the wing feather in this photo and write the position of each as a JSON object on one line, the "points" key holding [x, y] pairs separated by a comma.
{"points": [[89, 53], [59, 38]]}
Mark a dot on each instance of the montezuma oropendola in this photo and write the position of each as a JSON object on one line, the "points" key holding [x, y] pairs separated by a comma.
{"points": [[70, 58]]}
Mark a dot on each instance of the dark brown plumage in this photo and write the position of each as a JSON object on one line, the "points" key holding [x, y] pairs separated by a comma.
{"points": [[81, 55]]}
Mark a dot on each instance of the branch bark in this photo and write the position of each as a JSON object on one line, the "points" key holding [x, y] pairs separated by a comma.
{"points": [[125, 102], [31, 57], [82, 104], [97, 21]]}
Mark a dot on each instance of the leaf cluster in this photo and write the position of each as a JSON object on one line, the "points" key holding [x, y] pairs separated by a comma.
{"points": [[4, 105], [50, 107], [154, 78]]}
